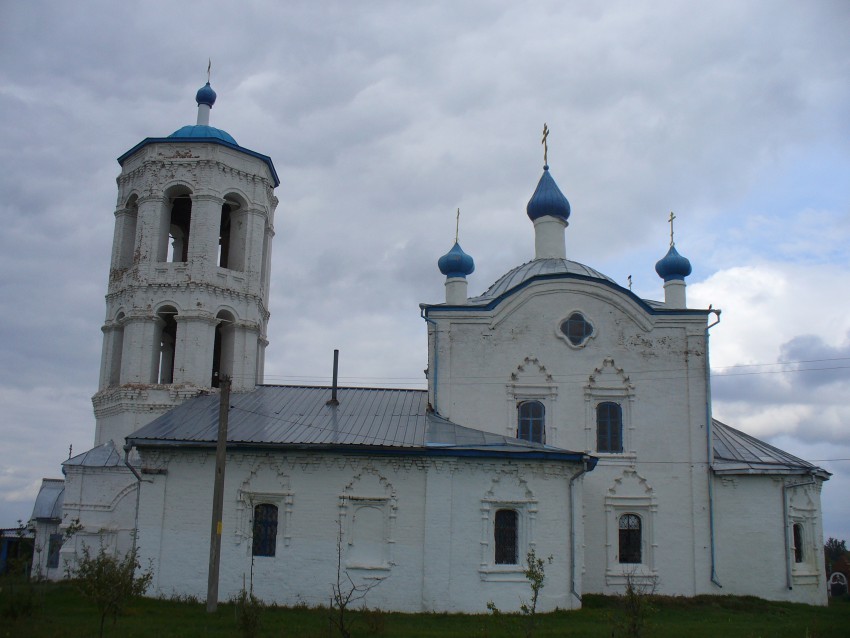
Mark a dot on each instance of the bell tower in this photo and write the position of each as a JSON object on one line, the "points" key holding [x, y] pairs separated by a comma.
{"points": [[188, 293]]}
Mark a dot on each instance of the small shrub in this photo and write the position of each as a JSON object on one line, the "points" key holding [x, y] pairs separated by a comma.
{"points": [[249, 613], [108, 581]]}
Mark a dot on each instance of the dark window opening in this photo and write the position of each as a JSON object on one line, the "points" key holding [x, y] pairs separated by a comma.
{"points": [[167, 339], [505, 534], [181, 217], [609, 427], [531, 417], [630, 539], [54, 544], [576, 328], [798, 543], [224, 236], [265, 530]]}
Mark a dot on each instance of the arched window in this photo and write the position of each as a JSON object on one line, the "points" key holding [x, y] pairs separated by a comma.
{"points": [[175, 246], [609, 427], [232, 234], [223, 348], [126, 221], [265, 530], [531, 417], [506, 537], [167, 338], [630, 538], [798, 543]]}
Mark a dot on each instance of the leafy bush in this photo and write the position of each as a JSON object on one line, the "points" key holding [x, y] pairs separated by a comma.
{"points": [[108, 581]]}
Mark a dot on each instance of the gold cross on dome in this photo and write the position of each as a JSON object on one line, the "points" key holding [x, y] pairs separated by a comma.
{"points": [[545, 144], [672, 217], [457, 225], [209, 68]]}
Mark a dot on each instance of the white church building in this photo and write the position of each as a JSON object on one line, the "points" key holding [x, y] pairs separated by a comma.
{"points": [[563, 414]]}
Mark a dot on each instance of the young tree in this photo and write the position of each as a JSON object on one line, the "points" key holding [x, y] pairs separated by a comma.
{"points": [[108, 581], [834, 549], [345, 591]]}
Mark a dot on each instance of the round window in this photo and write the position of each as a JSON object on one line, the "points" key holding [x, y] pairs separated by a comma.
{"points": [[576, 328]]}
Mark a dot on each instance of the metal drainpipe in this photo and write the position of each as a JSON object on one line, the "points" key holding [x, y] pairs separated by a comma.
{"points": [[785, 488], [436, 355], [138, 476], [710, 450], [573, 532]]}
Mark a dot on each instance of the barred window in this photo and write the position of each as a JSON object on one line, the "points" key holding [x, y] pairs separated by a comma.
{"points": [[630, 538], [609, 427], [506, 540], [265, 530], [531, 417]]}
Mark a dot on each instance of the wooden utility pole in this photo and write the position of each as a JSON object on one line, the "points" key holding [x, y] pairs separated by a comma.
{"points": [[218, 495]]}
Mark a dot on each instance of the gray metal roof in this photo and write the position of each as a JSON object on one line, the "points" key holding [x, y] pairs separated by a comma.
{"points": [[526, 271], [373, 419], [48, 503], [738, 453], [105, 455]]}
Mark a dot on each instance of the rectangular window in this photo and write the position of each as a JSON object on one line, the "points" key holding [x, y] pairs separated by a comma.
{"points": [[798, 543], [53, 547], [630, 538], [609, 427], [505, 537], [265, 530]]}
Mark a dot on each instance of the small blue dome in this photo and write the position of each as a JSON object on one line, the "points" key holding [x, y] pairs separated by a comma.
{"points": [[673, 266], [456, 263], [205, 95], [199, 131], [547, 199]]}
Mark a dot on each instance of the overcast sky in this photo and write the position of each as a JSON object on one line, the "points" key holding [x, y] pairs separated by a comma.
{"points": [[382, 118]]}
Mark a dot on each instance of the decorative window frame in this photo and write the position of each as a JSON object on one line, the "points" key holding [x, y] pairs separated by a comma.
{"points": [[526, 509], [349, 504], [247, 501], [560, 334], [642, 503], [802, 511], [542, 389], [608, 383]]}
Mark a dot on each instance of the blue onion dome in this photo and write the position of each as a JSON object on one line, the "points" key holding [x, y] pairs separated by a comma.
{"points": [[673, 266], [205, 95], [456, 263], [547, 199]]}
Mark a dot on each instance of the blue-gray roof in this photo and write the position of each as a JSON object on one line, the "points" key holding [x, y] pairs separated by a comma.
{"points": [[551, 268], [373, 420], [738, 453], [105, 455], [48, 503]]}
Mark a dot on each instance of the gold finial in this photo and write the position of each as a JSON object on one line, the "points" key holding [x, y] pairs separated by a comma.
{"points": [[545, 144], [209, 68], [457, 225], [672, 217], [630, 282]]}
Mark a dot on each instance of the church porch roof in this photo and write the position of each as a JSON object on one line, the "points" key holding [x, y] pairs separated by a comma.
{"points": [[48, 503], [736, 452]]}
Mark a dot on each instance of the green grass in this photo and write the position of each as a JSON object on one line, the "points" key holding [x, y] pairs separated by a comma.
{"points": [[58, 610]]}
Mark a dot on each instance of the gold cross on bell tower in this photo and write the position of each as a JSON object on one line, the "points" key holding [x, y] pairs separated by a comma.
{"points": [[457, 225], [545, 144]]}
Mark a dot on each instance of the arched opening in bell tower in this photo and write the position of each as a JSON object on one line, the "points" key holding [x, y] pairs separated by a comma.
{"points": [[126, 221], [176, 246], [232, 234], [116, 351], [223, 347], [165, 344]]}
